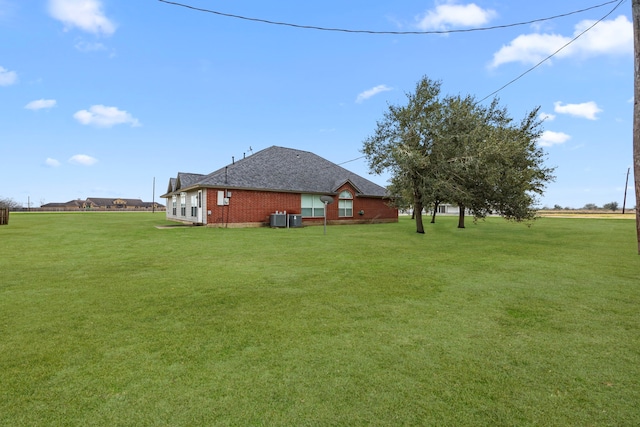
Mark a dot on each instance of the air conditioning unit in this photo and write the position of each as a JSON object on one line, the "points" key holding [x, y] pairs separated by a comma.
{"points": [[278, 220], [295, 220]]}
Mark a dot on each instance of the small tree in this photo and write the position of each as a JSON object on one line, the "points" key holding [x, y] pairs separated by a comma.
{"points": [[611, 206], [590, 207], [8, 203]]}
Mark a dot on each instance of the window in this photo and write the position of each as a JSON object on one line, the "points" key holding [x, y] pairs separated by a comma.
{"points": [[194, 205], [312, 206], [183, 204], [345, 204], [174, 203]]}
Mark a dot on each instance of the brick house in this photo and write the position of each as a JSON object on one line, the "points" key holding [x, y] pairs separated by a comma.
{"points": [[250, 191]]}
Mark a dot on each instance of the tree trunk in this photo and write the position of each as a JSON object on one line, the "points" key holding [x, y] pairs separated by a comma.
{"points": [[461, 217], [417, 210], [435, 209]]}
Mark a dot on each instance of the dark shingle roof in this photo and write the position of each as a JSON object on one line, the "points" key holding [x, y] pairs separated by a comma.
{"points": [[101, 201], [72, 203], [288, 170], [172, 185], [186, 180]]}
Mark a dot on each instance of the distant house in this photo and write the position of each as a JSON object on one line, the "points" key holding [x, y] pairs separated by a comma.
{"points": [[103, 204], [118, 204], [250, 191], [72, 205]]}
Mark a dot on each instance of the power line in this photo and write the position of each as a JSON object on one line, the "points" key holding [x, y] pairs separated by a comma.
{"points": [[352, 160], [345, 30], [556, 52]]}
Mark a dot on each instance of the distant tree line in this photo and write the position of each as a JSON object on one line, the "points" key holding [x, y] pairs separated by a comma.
{"points": [[611, 206]]}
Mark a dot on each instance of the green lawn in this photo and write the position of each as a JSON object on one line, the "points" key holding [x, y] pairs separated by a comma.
{"points": [[106, 320]]}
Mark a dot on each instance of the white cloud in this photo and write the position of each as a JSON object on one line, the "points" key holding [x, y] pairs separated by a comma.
{"points": [[549, 138], [40, 104], [86, 15], [372, 92], [84, 46], [587, 110], [52, 162], [612, 37], [546, 117], [103, 116], [529, 49], [82, 159], [7, 77], [450, 14]]}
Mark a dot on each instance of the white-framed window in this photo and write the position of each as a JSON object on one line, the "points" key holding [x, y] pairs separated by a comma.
{"points": [[312, 206], [345, 204], [183, 204], [194, 204], [174, 204]]}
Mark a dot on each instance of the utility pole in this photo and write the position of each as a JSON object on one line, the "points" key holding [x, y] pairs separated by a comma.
{"points": [[153, 202], [626, 184], [635, 12]]}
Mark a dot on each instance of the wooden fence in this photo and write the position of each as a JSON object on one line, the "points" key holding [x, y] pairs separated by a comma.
{"points": [[4, 216]]}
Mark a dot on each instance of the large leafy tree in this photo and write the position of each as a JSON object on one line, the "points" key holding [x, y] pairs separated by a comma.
{"points": [[402, 144], [458, 151]]}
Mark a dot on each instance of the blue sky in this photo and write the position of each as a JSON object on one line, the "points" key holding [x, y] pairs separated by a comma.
{"points": [[99, 97]]}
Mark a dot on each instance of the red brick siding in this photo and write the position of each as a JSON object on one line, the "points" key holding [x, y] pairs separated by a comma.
{"points": [[250, 206], [246, 206], [373, 208]]}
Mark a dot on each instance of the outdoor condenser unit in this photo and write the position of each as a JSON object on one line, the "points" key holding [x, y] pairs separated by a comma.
{"points": [[278, 220], [295, 220]]}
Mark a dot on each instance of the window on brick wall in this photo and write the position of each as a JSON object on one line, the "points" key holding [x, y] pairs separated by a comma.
{"points": [[345, 204], [312, 206]]}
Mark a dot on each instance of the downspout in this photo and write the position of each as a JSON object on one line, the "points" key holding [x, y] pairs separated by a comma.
{"points": [[226, 192]]}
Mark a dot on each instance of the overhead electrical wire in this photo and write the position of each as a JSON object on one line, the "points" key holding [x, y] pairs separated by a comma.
{"points": [[345, 30], [467, 30]]}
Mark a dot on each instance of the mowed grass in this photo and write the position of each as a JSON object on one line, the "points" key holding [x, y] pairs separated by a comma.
{"points": [[106, 320]]}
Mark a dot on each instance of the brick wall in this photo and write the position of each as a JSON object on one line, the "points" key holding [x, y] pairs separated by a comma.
{"points": [[373, 209], [246, 206], [250, 206]]}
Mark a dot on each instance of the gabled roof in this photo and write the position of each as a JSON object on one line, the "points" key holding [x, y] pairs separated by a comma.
{"points": [[182, 181], [186, 180], [172, 185], [72, 203], [288, 170], [101, 201]]}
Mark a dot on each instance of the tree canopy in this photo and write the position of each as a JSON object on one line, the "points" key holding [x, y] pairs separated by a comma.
{"points": [[8, 203], [454, 150]]}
